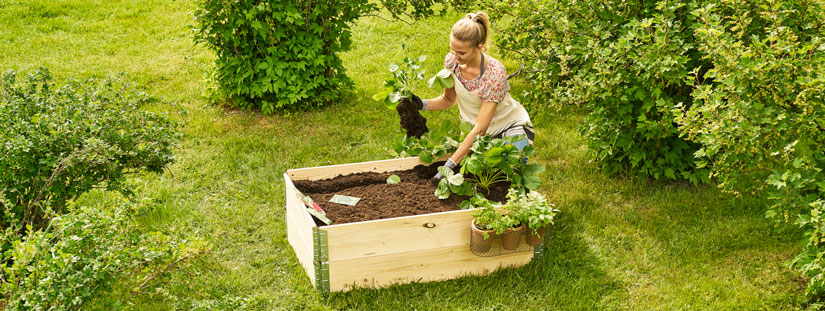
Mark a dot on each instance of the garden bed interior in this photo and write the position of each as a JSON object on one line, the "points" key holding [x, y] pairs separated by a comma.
{"points": [[396, 234]]}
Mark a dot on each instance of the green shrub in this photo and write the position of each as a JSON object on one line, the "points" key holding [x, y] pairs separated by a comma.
{"points": [[60, 142], [759, 111], [696, 90], [283, 54], [626, 62], [84, 253]]}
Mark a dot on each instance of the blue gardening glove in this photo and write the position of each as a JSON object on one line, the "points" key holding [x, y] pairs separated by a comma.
{"points": [[450, 164], [420, 103]]}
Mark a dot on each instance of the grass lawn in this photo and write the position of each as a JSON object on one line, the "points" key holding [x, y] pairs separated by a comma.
{"points": [[620, 244]]}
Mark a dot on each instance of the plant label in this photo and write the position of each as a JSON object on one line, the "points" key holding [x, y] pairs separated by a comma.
{"points": [[343, 199]]}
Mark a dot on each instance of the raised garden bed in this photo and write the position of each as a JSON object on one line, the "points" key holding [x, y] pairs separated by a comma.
{"points": [[378, 253]]}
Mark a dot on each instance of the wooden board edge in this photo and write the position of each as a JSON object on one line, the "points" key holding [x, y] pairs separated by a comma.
{"points": [[299, 229], [352, 225], [331, 171]]}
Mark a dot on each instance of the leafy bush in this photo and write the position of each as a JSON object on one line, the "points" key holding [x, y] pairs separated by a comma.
{"points": [[626, 62], [759, 111], [695, 90], [277, 54], [84, 253], [60, 142]]}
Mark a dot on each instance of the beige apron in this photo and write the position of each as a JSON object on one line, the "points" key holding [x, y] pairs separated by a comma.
{"points": [[509, 114]]}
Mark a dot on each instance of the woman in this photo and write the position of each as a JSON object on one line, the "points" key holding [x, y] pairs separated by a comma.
{"points": [[481, 89]]}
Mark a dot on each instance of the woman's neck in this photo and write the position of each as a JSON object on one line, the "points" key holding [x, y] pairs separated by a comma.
{"points": [[476, 62]]}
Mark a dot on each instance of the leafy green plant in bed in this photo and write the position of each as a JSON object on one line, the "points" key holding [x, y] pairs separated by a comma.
{"points": [[490, 161], [434, 144], [493, 160]]}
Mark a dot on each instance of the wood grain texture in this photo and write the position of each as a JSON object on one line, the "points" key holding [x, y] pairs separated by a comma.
{"points": [[418, 266], [299, 229], [399, 235]]}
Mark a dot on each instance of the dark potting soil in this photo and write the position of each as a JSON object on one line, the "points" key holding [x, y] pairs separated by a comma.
{"points": [[411, 121], [414, 195]]}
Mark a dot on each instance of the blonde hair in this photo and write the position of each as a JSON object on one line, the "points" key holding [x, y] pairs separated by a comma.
{"points": [[473, 28]]}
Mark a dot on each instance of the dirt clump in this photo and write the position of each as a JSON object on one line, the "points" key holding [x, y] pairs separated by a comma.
{"points": [[411, 120]]}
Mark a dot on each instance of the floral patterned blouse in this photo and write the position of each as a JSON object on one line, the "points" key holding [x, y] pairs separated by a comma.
{"points": [[492, 85]]}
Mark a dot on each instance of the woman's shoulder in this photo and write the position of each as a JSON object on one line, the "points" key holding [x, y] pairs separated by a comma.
{"points": [[449, 60], [494, 69], [494, 64]]}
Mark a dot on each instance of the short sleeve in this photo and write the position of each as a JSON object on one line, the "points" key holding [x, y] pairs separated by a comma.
{"points": [[494, 85], [449, 61]]}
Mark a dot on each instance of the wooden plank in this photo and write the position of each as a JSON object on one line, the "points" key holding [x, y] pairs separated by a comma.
{"points": [[399, 235], [299, 229], [303, 249], [330, 171], [422, 266]]}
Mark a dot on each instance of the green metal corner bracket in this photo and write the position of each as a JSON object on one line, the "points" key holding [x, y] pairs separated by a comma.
{"points": [[321, 259], [538, 250]]}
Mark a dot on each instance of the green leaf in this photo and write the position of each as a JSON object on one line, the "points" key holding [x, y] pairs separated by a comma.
{"points": [[455, 179], [445, 171], [398, 146], [444, 74], [433, 82], [426, 157], [466, 127], [474, 166], [532, 169], [393, 179], [394, 97], [443, 190], [494, 155], [532, 182], [381, 96]]}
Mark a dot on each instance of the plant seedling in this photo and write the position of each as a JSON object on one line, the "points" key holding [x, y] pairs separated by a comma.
{"points": [[393, 179], [451, 182], [401, 84]]}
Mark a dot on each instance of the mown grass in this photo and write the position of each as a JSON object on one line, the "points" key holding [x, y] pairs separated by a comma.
{"points": [[621, 243]]}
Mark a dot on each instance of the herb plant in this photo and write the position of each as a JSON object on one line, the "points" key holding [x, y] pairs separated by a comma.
{"points": [[532, 208], [487, 213], [393, 179]]}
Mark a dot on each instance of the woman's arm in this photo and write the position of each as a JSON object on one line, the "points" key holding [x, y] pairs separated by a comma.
{"points": [[485, 115], [442, 102]]}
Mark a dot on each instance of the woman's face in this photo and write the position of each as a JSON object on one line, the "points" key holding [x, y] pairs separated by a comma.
{"points": [[464, 51]]}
